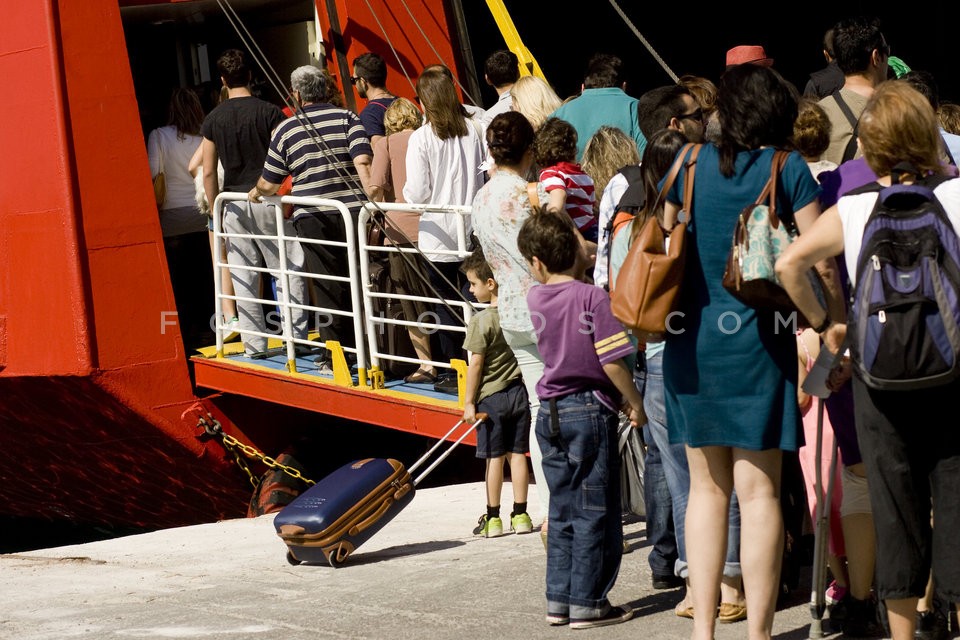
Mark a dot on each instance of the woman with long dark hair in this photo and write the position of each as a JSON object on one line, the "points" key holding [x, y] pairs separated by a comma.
{"points": [[443, 168], [729, 371], [169, 150], [658, 156]]}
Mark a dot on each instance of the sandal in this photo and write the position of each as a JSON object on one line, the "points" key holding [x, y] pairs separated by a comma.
{"points": [[421, 377], [731, 612], [684, 612]]}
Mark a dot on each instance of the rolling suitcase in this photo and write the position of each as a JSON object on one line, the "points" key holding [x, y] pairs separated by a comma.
{"points": [[338, 514]]}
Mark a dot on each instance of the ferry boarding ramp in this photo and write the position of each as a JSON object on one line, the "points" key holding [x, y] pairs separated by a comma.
{"points": [[358, 388]]}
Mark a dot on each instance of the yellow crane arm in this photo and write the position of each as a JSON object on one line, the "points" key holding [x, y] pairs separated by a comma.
{"points": [[528, 64]]}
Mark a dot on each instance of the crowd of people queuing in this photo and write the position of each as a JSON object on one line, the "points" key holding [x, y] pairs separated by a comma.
{"points": [[722, 411]]}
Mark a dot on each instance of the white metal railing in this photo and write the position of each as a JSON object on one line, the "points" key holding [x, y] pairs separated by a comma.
{"points": [[286, 271], [366, 325], [376, 324]]}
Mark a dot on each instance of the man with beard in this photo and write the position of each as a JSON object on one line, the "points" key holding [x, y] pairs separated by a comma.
{"points": [[370, 79]]}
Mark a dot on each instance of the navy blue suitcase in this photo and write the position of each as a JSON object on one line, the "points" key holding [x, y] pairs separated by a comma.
{"points": [[330, 520]]}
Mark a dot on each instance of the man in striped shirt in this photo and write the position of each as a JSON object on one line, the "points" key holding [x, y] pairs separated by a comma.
{"points": [[327, 151]]}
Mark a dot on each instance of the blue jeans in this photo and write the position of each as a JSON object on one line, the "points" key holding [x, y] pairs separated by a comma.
{"points": [[578, 438], [674, 459], [656, 496]]}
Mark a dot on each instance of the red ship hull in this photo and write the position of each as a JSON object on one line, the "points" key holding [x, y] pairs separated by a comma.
{"points": [[98, 407]]}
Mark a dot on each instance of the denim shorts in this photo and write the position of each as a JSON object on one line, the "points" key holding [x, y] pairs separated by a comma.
{"points": [[508, 427]]}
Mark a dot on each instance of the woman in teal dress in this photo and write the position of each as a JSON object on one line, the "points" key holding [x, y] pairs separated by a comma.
{"points": [[730, 371]]}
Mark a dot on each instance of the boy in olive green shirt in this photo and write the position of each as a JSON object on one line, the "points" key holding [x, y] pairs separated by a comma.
{"points": [[494, 387]]}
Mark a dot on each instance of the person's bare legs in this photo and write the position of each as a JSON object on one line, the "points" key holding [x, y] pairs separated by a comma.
{"points": [[227, 307], [731, 590], [926, 602], [860, 541], [757, 480], [711, 482], [687, 601], [902, 616], [421, 344], [494, 480], [519, 476], [838, 570]]}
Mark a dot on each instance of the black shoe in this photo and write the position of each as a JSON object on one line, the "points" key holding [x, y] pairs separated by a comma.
{"points": [[615, 615], [931, 625], [862, 620], [667, 581], [446, 383], [836, 615]]}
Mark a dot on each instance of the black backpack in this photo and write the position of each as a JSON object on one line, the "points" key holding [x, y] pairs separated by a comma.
{"points": [[904, 325]]}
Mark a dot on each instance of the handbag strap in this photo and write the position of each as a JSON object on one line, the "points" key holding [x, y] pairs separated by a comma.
{"points": [[769, 192], [690, 166], [851, 148], [533, 195]]}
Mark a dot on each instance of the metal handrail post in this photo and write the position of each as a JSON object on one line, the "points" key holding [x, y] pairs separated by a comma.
{"points": [[217, 210], [350, 230], [287, 316], [371, 329]]}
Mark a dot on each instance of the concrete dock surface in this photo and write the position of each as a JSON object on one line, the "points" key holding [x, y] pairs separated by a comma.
{"points": [[424, 576]]}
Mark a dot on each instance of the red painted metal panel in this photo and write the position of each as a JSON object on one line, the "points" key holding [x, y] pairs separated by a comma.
{"points": [[411, 50], [129, 283], [41, 292], [93, 388]]}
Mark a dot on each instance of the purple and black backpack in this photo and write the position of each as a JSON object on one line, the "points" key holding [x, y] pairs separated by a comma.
{"points": [[904, 325]]}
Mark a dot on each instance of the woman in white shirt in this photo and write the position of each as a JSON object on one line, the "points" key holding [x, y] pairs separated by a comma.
{"points": [[169, 150], [443, 168]]}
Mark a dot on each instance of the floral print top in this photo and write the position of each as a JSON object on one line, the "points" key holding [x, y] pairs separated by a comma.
{"points": [[499, 210]]}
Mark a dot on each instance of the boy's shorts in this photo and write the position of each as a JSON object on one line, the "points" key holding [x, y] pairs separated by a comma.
{"points": [[508, 427]]}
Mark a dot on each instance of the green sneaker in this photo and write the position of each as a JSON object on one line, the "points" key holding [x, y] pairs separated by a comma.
{"points": [[521, 523], [488, 527]]}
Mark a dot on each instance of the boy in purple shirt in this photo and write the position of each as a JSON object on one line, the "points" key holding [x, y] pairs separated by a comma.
{"points": [[583, 348]]}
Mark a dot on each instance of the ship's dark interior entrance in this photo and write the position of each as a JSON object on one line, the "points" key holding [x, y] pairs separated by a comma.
{"points": [[177, 45]]}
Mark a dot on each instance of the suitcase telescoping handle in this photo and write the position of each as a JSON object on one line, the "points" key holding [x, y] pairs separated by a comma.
{"points": [[480, 418]]}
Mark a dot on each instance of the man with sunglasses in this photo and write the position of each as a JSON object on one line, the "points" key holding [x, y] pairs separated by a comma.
{"points": [[370, 79], [670, 107]]}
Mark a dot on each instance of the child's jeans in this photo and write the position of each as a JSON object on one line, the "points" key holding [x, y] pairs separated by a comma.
{"points": [[578, 438]]}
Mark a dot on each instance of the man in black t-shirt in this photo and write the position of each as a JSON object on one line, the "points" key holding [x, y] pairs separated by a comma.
{"points": [[237, 134]]}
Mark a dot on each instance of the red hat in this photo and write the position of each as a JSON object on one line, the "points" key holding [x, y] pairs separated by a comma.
{"points": [[745, 53]]}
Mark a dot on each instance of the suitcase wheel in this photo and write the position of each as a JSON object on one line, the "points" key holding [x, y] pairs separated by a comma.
{"points": [[291, 559], [337, 554]]}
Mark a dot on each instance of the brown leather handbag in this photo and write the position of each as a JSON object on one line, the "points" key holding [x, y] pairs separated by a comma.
{"points": [[160, 183], [648, 285]]}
